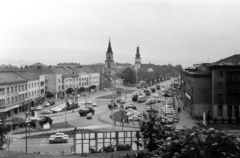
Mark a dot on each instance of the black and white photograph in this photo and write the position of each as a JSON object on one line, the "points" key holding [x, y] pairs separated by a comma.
{"points": [[120, 78]]}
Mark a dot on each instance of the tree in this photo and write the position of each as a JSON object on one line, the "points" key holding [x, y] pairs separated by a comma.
{"points": [[93, 86], [4, 129], [129, 75], [69, 91], [82, 89], [49, 94]]}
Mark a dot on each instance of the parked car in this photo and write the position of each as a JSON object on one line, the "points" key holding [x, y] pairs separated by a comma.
{"points": [[85, 111], [18, 122], [46, 104], [42, 120], [131, 106], [46, 112], [151, 109], [56, 109], [60, 135], [39, 107], [135, 117], [135, 97], [167, 95], [94, 104], [88, 102], [118, 100], [51, 102], [114, 106], [156, 95], [122, 101], [104, 89], [89, 116], [59, 139], [150, 101]]}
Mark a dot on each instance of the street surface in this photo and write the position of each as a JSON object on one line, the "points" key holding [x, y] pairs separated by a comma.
{"points": [[73, 118]]}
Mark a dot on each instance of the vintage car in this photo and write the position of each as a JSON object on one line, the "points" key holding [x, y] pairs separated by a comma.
{"points": [[59, 135], [89, 116], [85, 111], [110, 106], [94, 104], [58, 139]]}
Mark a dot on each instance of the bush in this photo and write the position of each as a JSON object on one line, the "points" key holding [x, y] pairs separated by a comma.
{"points": [[122, 147]]}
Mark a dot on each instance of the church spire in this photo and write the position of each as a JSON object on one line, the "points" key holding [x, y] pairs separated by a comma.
{"points": [[138, 54], [109, 47]]}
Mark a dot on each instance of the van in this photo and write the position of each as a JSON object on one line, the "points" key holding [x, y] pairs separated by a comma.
{"points": [[141, 98]]}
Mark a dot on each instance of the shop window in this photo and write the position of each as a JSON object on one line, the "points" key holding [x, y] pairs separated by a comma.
{"points": [[220, 111], [2, 102]]}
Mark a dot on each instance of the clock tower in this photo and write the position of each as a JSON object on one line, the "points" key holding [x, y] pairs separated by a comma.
{"points": [[109, 63], [137, 60]]}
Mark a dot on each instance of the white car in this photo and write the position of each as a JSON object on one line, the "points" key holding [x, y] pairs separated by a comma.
{"points": [[46, 112], [156, 95], [46, 104], [135, 118], [56, 109], [88, 102], [60, 135], [39, 107], [94, 104]]}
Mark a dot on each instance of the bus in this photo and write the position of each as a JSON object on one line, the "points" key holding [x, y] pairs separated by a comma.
{"points": [[142, 98]]}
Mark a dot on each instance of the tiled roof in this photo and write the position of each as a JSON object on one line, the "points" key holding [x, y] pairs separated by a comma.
{"points": [[10, 78], [98, 67], [80, 70], [71, 71], [232, 60], [89, 70], [63, 71], [27, 75], [40, 71]]}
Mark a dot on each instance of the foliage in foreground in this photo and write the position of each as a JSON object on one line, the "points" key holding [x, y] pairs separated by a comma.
{"points": [[195, 142]]}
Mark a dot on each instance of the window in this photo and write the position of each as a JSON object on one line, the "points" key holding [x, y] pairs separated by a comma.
{"points": [[15, 99], [220, 98], [230, 110], [12, 100], [220, 85], [15, 89], [25, 87], [2, 91], [8, 101], [35, 84], [220, 74], [29, 85], [29, 95], [11, 89], [59, 87], [22, 87], [2, 102], [7, 90], [220, 111], [19, 98], [19, 88]]}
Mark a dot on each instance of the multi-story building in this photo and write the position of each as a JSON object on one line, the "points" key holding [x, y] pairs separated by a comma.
{"points": [[196, 90], [213, 88], [94, 77], [226, 87], [35, 87], [13, 93]]}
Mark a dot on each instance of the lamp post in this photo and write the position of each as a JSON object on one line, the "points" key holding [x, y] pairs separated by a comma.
{"points": [[66, 96], [26, 122]]}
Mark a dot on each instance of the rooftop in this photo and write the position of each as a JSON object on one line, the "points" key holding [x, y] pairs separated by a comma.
{"points": [[229, 61], [11, 78]]}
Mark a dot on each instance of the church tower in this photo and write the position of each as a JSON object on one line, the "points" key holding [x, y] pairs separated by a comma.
{"points": [[137, 60], [109, 63]]}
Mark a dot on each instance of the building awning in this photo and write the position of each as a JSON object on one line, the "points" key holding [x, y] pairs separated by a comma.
{"points": [[9, 108], [188, 96]]}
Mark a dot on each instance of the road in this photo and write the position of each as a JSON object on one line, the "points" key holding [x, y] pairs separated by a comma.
{"points": [[73, 118]]}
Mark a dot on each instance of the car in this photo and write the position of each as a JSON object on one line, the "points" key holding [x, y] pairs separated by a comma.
{"points": [[51, 102], [153, 90], [89, 116], [104, 89], [94, 104], [88, 102], [39, 107], [46, 104], [85, 111], [135, 117], [60, 135], [159, 100], [135, 97], [150, 101], [42, 120], [151, 109], [122, 101], [167, 95], [59, 139], [156, 95], [56, 109], [131, 106], [114, 106], [46, 112], [118, 100]]}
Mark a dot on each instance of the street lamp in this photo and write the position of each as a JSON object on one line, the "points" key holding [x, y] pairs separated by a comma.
{"points": [[27, 121]]}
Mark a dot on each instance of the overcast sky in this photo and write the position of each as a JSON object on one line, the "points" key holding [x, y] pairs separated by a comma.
{"points": [[167, 31]]}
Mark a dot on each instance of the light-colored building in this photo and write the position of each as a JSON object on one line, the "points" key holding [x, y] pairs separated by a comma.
{"points": [[13, 93]]}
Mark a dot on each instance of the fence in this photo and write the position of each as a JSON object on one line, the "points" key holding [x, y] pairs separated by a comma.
{"points": [[82, 142]]}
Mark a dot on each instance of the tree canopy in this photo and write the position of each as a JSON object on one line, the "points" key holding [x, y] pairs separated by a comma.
{"points": [[69, 91], [49, 94], [129, 76]]}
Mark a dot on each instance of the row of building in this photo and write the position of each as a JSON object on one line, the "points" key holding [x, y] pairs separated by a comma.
{"points": [[22, 88], [212, 88]]}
